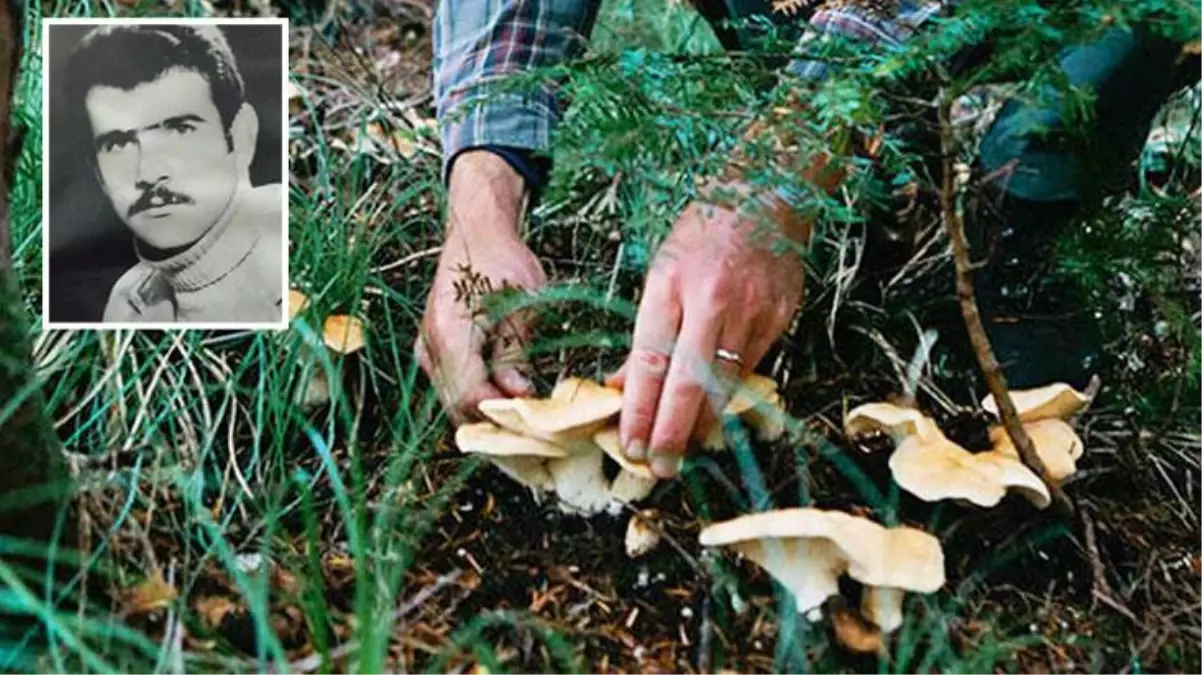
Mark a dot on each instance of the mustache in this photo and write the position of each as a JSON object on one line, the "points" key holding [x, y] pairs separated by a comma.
{"points": [[157, 196]]}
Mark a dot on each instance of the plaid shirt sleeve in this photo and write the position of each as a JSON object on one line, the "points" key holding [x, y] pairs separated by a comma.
{"points": [[881, 22], [477, 45]]}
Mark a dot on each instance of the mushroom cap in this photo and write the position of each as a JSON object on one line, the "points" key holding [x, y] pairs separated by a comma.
{"points": [[889, 418], [297, 303], [489, 439], [576, 404], [641, 537], [609, 441], [768, 421], [503, 412], [761, 407], [1057, 400], [934, 468], [570, 388], [1011, 472], [753, 391], [343, 334], [792, 523], [906, 558], [1055, 441], [806, 549], [855, 632]]}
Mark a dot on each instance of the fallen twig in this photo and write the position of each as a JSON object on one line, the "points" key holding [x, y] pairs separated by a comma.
{"points": [[705, 641], [1101, 587], [991, 369]]}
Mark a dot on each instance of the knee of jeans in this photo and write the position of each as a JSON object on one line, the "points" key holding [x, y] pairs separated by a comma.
{"points": [[1024, 154]]}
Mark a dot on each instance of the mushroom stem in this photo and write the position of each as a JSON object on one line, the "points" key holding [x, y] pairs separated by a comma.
{"points": [[528, 471], [628, 487], [882, 605], [988, 362], [808, 568], [580, 482]]}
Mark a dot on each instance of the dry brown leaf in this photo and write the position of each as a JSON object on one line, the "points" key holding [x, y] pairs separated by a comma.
{"points": [[149, 596], [289, 626], [213, 609], [399, 141], [853, 632], [284, 581], [343, 334]]}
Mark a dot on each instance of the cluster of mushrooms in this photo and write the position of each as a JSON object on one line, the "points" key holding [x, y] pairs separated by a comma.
{"points": [[558, 445]]}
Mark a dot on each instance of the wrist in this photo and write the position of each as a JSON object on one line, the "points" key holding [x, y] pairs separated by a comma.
{"points": [[761, 206], [486, 197]]}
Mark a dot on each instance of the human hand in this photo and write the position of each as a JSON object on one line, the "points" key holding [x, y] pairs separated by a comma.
{"points": [[467, 359], [715, 286]]}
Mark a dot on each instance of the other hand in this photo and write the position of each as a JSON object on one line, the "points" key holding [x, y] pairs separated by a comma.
{"points": [[715, 284]]}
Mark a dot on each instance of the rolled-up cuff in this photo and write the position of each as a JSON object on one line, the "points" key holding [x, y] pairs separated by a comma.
{"points": [[856, 26], [513, 119]]}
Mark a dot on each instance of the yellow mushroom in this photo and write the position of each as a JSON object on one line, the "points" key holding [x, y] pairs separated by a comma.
{"points": [[641, 536], [932, 467], [1044, 413], [808, 549], [889, 418], [1059, 401], [634, 481], [520, 457], [1055, 441], [758, 403], [568, 420], [343, 334]]}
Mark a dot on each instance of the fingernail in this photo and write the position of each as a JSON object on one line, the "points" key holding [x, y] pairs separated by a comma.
{"points": [[516, 383], [636, 451], [666, 466]]}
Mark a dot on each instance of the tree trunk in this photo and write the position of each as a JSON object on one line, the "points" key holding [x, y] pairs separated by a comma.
{"points": [[33, 474]]}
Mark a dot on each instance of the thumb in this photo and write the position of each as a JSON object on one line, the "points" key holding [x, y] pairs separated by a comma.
{"points": [[510, 366], [617, 380], [458, 374]]}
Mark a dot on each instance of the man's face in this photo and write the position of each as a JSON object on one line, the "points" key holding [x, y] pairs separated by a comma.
{"points": [[162, 156]]}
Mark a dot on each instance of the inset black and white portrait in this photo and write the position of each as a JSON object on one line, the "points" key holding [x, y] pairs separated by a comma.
{"points": [[165, 205]]}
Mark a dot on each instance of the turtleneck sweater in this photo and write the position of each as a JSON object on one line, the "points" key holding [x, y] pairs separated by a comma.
{"points": [[232, 274]]}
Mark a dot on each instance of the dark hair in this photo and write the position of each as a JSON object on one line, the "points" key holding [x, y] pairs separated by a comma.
{"points": [[125, 56]]}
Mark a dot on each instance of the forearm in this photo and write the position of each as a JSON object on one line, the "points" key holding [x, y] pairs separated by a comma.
{"points": [[799, 157]]}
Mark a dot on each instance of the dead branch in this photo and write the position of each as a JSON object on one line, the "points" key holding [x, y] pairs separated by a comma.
{"points": [[990, 368]]}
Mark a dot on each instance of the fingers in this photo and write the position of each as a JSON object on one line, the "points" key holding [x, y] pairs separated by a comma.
{"points": [[733, 340], [690, 380], [509, 363], [655, 331], [617, 379], [454, 365]]}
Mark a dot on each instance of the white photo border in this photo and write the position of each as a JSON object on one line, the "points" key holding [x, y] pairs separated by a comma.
{"points": [[285, 173]]}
